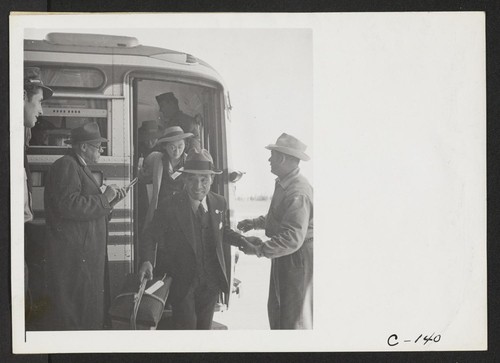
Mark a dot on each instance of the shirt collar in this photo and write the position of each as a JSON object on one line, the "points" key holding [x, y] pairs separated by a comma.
{"points": [[196, 203], [82, 160], [178, 166], [287, 180]]}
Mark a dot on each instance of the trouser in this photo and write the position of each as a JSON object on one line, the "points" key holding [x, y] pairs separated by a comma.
{"points": [[196, 309], [290, 304]]}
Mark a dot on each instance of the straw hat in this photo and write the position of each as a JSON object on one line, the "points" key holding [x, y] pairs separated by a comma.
{"points": [[173, 133]]}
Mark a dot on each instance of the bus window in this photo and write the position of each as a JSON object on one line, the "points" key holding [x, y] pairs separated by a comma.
{"points": [[68, 77], [198, 102], [60, 116]]}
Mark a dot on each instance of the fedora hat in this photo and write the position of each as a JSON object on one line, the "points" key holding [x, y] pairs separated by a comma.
{"points": [[149, 130], [287, 144], [173, 133], [33, 77], [199, 162], [167, 97], [86, 133]]}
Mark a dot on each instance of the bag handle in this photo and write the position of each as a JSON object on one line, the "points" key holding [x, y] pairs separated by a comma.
{"points": [[137, 302]]}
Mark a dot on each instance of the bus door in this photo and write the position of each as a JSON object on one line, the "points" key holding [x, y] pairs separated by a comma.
{"points": [[197, 98]]}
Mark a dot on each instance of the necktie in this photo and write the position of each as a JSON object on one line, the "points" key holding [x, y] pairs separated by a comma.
{"points": [[201, 212]]}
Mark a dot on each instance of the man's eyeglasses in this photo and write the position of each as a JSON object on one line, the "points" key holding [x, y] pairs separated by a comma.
{"points": [[98, 147]]}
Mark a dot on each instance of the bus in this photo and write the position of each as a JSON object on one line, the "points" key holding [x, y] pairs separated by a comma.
{"points": [[113, 81]]}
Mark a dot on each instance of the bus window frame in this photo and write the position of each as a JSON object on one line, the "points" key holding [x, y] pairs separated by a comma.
{"points": [[70, 88]]}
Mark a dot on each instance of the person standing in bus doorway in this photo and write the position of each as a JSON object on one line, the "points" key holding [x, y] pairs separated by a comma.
{"points": [[289, 226], [193, 237], [34, 93], [163, 169], [77, 215], [171, 115], [148, 135]]}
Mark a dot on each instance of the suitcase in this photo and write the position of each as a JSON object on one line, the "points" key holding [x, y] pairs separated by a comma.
{"points": [[137, 308]]}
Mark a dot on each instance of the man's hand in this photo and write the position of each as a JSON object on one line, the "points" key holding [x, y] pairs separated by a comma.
{"points": [[245, 225], [114, 193], [251, 245], [110, 193], [146, 270], [256, 241]]}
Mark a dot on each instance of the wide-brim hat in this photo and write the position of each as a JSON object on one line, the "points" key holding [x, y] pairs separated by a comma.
{"points": [[33, 77], [287, 144], [173, 133], [199, 162], [86, 133], [149, 130]]}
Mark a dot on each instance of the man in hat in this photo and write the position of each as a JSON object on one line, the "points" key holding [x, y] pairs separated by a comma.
{"points": [[33, 95], [77, 214], [192, 235], [148, 133], [289, 226], [171, 115]]}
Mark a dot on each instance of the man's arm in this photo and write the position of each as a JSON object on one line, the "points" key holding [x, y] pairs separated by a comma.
{"points": [[249, 224], [150, 240], [293, 228], [67, 191]]}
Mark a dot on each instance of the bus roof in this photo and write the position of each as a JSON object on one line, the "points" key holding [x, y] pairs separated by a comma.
{"points": [[106, 44]]}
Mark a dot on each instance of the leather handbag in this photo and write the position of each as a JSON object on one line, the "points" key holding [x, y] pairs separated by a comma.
{"points": [[140, 304]]}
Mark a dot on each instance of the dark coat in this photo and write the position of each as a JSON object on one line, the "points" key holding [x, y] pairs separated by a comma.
{"points": [[77, 216], [172, 230]]}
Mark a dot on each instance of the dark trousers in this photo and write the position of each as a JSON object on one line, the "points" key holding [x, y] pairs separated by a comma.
{"points": [[196, 310], [290, 304]]}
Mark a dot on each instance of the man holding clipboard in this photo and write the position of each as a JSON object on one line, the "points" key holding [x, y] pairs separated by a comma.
{"points": [[77, 215]]}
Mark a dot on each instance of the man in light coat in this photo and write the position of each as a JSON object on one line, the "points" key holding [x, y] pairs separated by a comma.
{"points": [[289, 226], [77, 215]]}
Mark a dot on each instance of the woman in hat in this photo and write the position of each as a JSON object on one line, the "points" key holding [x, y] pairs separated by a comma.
{"points": [[163, 169]]}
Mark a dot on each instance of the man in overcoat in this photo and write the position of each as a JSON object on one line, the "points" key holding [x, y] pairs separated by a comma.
{"points": [[289, 226], [191, 231], [77, 214]]}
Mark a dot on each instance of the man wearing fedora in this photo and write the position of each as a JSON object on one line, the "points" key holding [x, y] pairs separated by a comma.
{"points": [[148, 133], [191, 232], [77, 214], [33, 95], [171, 115], [289, 227]]}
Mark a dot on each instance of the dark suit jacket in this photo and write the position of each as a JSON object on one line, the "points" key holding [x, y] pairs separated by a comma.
{"points": [[172, 230], [77, 216]]}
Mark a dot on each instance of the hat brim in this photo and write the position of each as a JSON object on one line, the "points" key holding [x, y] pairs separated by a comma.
{"points": [[84, 141], [286, 150], [192, 171], [175, 138], [47, 92]]}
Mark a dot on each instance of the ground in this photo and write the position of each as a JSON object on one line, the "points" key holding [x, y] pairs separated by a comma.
{"points": [[249, 309]]}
